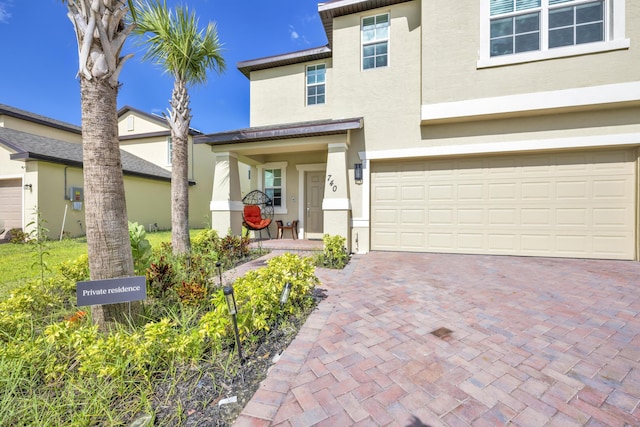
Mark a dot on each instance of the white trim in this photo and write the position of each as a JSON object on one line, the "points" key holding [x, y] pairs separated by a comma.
{"points": [[338, 4], [302, 195], [614, 38], [281, 210], [558, 52], [565, 98], [336, 204], [226, 206], [628, 139], [366, 186], [360, 223]]}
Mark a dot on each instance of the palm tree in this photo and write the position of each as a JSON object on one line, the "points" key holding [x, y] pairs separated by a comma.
{"points": [[176, 44], [101, 30]]}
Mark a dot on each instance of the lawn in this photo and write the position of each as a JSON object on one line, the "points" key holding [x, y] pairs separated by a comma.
{"points": [[18, 262]]}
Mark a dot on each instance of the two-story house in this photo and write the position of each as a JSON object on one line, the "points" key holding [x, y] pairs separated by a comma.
{"points": [[41, 168], [500, 127]]}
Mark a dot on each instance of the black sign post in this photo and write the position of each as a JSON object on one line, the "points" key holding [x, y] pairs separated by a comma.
{"points": [[111, 291]]}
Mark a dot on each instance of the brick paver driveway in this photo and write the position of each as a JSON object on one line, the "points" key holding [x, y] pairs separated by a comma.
{"points": [[533, 342]]}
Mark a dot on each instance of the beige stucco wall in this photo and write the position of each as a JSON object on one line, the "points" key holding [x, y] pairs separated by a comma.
{"points": [[155, 150], [450, 46]]}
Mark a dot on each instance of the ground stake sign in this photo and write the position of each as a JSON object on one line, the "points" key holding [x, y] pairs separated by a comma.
{"points": [[111, 291]]}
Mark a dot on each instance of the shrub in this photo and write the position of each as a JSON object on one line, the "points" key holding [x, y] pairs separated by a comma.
{"points": [[140, 247], [257, 296], [76, 270], [335, 253]]}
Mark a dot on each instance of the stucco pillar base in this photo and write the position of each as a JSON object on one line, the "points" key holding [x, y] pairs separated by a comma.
{"points": [[226, 222], [337, 223]]}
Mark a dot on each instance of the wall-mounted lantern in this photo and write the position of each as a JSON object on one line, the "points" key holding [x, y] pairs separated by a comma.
{"points": [[28, 187], [357, 172]]}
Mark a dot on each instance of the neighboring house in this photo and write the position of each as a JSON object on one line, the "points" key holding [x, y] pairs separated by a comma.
{"points": [[41, 167], [500, 127]]}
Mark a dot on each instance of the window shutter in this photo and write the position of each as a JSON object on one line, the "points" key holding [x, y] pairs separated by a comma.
{"points": [[498, 7]]}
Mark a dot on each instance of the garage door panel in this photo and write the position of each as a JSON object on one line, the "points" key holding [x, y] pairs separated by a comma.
{"points": [[579, 204]]}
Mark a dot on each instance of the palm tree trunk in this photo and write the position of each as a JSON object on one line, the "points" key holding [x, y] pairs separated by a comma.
{"points": [[179, 121], [105, 206]]}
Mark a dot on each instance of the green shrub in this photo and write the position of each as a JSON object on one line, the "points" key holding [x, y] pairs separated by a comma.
{"points": [[335, 253], [257, 296], [140, 247], [76, 270], [205, 241]]}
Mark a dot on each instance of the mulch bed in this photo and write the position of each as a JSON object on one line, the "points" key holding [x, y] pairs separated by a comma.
{"points": [[193, 396]]}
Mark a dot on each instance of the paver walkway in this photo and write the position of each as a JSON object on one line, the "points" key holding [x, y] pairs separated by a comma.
{"points": [[533, 342]]}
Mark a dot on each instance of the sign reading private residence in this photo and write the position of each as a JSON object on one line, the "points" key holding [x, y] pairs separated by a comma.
{"points": [[111, 291]]}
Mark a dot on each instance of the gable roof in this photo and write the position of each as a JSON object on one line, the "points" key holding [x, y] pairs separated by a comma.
{"points": [[152, 117], [328, 11], [36, 118], [29, 147]]}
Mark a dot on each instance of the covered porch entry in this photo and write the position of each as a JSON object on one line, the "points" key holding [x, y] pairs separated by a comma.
{"points": [[302, 167]]}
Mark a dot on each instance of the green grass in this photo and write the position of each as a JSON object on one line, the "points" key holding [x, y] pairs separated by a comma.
{"points": [[17, 260]]}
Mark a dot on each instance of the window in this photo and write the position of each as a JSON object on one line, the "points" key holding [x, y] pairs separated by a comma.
{"points": [[273, 185], [316, 84], [169, 151], [375, 41], [272, 179], [524, 30]]}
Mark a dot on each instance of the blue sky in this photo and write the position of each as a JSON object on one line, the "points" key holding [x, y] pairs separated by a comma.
{"points": [[39, 58]]}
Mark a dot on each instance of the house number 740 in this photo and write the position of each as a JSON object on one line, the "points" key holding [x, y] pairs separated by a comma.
{"points": [[331, 184]]}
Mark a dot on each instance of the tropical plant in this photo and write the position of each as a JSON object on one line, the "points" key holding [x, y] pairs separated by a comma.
{"points": [[140, 247], [101, 29], [176, 44], [335, 253]]}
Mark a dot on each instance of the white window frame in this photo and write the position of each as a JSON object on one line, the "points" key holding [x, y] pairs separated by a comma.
{"points": [[614, 34], [283, 180], [316, 84], [386, 40]]}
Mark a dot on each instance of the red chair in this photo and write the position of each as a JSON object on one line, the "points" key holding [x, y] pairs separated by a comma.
{"points": [[257, 214]]}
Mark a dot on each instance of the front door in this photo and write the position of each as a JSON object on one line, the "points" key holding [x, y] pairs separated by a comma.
{"points": [[314, 193]]}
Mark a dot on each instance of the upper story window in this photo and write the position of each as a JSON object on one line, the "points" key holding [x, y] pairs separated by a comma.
{"points": [[375, 41], [527, 30], [316, 76]]}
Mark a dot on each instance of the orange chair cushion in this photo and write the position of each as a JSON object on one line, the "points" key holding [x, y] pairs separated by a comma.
{"points": [[253, 217]]}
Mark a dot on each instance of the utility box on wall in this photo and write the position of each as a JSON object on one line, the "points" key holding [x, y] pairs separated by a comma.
{"points": [[76, 196]]}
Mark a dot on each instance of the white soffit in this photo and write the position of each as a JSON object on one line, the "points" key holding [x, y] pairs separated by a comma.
{"points": [[532, 102]]}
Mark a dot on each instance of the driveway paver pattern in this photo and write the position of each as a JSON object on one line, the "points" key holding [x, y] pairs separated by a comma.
{"points": [[533, 342]]}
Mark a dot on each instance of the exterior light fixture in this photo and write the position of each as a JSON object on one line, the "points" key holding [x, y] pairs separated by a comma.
{"points": [[357, 172], [231, 303], [284, 297], [219, 267], [28, 187]]}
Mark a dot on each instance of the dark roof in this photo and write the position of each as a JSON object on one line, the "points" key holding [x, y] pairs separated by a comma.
{"points": [[153, 117], [34, 147], [36, 118], [327, 10], [282, 131], [246, 67]]}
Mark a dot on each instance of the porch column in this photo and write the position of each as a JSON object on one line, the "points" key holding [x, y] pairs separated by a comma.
{"points": [[226, 202], [336, 205]]}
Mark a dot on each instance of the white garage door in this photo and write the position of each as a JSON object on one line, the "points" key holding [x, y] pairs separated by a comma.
{"points": [[10, 205], [579, 204]]}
